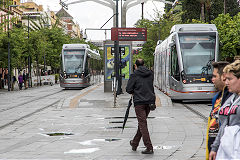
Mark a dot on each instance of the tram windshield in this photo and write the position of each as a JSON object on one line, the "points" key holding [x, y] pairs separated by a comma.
{"points": [[197, 52], [73, 61]]}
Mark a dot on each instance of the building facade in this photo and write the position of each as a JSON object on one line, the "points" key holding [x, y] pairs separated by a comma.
{"points": [[71, 28]]}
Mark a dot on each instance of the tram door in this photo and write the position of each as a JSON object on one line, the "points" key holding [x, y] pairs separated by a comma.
{"points": [[174, 69]]}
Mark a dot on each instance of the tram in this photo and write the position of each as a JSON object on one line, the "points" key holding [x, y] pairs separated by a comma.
{"points": [[182, 62], [76, 69]]}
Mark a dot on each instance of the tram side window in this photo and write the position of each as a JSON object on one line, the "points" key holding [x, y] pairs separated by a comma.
{"points": [[87, 66], [174, 64]]}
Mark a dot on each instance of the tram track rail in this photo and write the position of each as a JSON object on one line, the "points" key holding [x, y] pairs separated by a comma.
{"points": [[201, 115], [27, 115], [39, 109], [2, 126], [205, 119], [30, 101]]}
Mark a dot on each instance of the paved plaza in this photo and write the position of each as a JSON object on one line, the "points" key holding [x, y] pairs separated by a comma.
{"points": [[84, 125]]}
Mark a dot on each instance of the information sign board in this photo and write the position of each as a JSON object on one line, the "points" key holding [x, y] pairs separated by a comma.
{"points": [[128, 34]]}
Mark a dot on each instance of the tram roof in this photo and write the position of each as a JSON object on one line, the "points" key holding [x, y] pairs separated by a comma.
{"points": [[75, 46], [193, 27], [91, 53]]}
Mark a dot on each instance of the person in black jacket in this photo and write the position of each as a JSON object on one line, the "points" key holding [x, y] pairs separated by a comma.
{"points": [[140, 85]]}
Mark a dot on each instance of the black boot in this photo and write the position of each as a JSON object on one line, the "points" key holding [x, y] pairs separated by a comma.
{"points": [[148, 151], [133, 147]]}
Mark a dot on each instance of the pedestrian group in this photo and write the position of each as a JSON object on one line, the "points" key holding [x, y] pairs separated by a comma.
{"points": [[223, 130]]}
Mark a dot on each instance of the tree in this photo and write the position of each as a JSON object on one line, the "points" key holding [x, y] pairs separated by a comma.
{"points": [[55, 38], [191, 10], [3, 49], [202, 2], [216, 8], [18, 48], [232, 7], [149, 46], [229, 34], [168, 7]]}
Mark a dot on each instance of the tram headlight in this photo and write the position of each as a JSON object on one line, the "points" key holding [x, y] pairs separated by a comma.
{"points": [[64, 75], [82, 75]]}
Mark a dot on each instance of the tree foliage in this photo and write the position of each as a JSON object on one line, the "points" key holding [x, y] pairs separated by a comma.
{"points": [[158, 29], [229, 35], [191, 10]]}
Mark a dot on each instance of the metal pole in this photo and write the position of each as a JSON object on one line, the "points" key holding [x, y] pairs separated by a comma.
{"points": [[159, 30], [9, 55], [119, 91], [29, 60], [116, 59], [44, 68], [142, 9], [119, 87], [121, 14], [224, 7]]}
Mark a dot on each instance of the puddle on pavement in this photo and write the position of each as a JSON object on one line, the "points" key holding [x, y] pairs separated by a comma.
{"points": [[117, 122], [87, 150], [160, 147], [59, 134], [116, 127], [94, 141], [123, 117], [85, 104], [112, 140]]}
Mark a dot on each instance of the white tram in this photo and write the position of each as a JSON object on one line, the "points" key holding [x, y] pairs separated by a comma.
{"points": [[182, 62], [76, 68]]}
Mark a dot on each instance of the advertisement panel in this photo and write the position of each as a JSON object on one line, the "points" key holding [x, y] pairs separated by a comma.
{"points": [[125, 59]]}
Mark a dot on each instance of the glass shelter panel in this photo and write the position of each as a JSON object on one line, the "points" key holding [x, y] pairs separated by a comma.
{"points": [[73, 61], [198, 51]]}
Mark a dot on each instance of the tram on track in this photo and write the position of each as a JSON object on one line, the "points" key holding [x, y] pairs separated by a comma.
{"points": [[182, 62], [76, 65]]}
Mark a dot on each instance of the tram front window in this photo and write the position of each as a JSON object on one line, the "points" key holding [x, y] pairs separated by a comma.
{"points": [[73, 61], [197, 52]]}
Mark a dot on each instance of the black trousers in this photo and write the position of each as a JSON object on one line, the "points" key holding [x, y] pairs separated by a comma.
{"points": [[142, 112]]}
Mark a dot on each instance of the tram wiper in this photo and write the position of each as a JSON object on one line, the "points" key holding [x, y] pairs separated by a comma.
{"points": [[207, 67]]}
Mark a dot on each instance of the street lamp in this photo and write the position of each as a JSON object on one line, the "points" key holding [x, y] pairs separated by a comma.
{"points": [[44, 68], [29, 60], [9, 51]]}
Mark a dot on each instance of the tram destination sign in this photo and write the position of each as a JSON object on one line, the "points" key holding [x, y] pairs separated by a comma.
{"points": [[128, 34]]}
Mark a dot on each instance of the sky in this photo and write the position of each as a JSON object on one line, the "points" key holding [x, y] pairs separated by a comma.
{"points": [[94, 15]]}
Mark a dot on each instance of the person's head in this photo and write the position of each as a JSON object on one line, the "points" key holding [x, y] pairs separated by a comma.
{"points": [[233, 76], [218, 76], [139, 62]]}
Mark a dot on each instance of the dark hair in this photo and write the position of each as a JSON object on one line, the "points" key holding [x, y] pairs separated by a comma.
{"points": [[139, 62], [220, 66]]}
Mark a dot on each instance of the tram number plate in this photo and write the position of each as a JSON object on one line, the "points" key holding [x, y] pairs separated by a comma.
{"points": [[199, 88], [73, 76]]}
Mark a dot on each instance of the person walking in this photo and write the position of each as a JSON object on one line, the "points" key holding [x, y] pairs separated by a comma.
{"points": [[24, 79], [140, 85], [231, 109], [218, 79], [20, 81], [14, 79]]}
